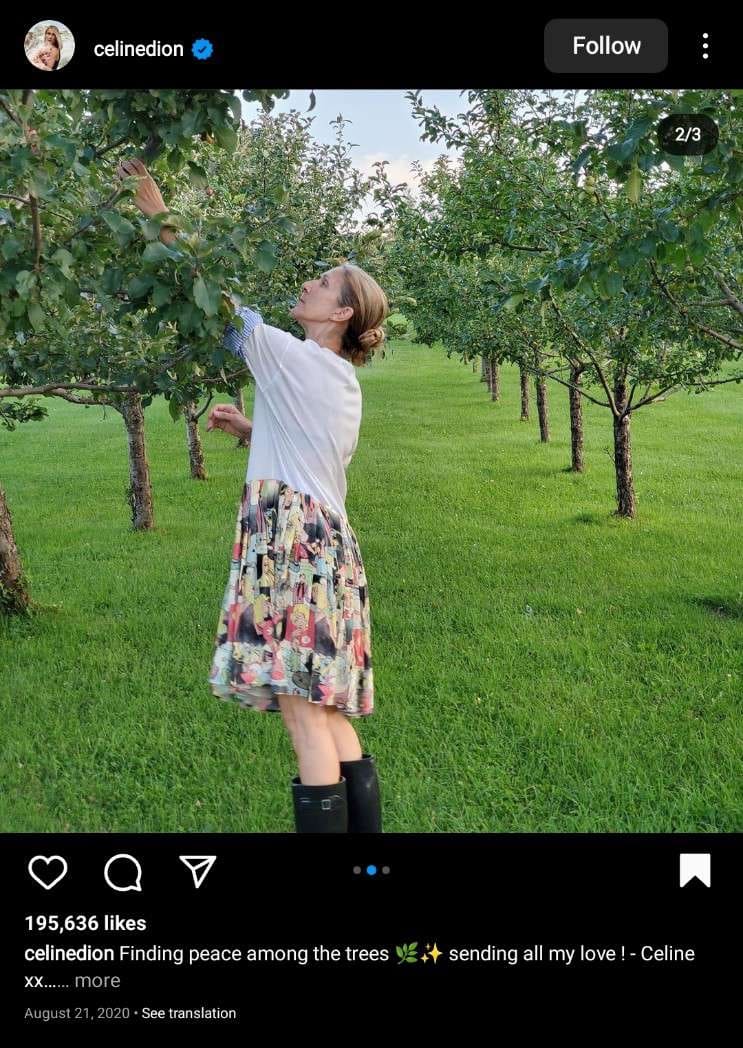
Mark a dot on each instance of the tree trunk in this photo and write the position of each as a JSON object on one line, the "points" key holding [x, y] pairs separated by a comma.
{"points": [[495, 384], [524, 395], [139, 492], [14, 598], [543, 409], [242, 442], [576, 422], [483, 368], [193, 440], [474, 366], [626, 500]]}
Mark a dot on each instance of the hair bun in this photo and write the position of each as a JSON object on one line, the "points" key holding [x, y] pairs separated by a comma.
{"points": [[372, 338]]}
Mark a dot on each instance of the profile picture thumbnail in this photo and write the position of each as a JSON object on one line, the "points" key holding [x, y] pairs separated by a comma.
{"points": [[49, 45]]}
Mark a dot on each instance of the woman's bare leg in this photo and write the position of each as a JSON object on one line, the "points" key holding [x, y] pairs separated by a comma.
{"points": [[346, 740], [313, 741]]}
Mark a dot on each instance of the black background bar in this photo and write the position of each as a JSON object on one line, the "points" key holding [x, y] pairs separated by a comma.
{"points": [[309, 50]]}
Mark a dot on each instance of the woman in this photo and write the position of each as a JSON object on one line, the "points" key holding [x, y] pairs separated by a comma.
{"points": [[294, 631], [48, 54]]}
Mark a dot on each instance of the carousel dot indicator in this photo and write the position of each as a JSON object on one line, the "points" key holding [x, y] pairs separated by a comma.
{"points": [[371, 870]]}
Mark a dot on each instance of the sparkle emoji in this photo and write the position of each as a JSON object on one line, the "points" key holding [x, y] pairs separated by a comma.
{"points": [[434, 953]]}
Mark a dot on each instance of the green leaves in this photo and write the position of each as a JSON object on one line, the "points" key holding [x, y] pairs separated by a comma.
{"points": [[696, 244], [669, 231], [538, 284], [633, 185], [287, 226], [512, 302], [236, 108], [238, 236], [676, 162], [11, 247], [644, 124], [508, 218], [105, 297], [175, 159], [25, 283], [112, 279], [278, 192], [407, 953], [707, 217], [266, 96], [581, 160], [36, 315], [151, 228], [161, 295], [158, 252], [606, 282], [64, 260], [207, 296], [139, 286], [627, 258], [121, 227], [197, 175], [64, 148], [265, 256], [226, 137], [22, 411], [621, 151], [188, 123], [40, 184]]}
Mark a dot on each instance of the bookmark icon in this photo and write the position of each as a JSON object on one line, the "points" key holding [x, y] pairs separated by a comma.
{"points": [[695, 865]]}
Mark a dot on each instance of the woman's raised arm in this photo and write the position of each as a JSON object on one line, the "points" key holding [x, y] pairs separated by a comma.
{"points": [[148, 197], [149, 200]]}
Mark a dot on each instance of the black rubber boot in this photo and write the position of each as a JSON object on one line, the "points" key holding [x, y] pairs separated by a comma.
{"points": [[364, 802], [320, 809]]}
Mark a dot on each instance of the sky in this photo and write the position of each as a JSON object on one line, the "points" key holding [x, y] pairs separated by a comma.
{"points": [[382, 125]]}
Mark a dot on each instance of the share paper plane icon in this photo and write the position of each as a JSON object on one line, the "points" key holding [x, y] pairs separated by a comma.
{"points": [[199, 865]]}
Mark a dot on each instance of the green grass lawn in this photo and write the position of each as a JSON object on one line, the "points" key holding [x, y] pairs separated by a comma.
{"points": [[539, 664]]}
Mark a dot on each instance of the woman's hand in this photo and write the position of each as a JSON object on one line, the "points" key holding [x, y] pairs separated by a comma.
{"points": [[228, 418], [148, 198]]}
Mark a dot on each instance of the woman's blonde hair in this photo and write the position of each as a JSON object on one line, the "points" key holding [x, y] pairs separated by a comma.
{"points": [[364, 334]]}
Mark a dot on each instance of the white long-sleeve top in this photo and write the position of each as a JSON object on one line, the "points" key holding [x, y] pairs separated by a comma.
{"points": [[306, 411]]}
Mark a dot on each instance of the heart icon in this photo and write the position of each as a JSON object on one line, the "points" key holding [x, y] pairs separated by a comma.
{"points": [[46, 873]]}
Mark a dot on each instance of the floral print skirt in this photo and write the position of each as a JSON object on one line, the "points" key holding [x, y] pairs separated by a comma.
{"points": [[295, 616]]}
